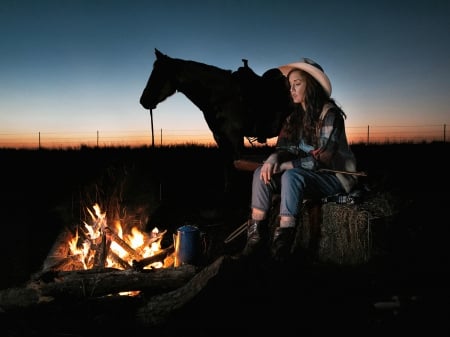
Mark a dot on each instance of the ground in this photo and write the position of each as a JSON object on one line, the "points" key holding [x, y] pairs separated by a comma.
{"points": [[404, 290]]}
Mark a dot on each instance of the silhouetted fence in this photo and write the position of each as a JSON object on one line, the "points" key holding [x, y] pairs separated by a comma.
{"points": [[359, 134]]}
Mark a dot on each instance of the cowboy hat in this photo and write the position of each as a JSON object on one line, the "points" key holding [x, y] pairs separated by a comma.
{"points": [[312, 68]]}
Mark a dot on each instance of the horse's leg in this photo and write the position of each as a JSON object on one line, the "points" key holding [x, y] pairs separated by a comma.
{"points": [[230, 147], [226, 159]]}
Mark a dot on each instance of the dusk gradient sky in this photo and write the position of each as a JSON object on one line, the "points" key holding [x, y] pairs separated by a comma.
{"points": [[80, 66]]}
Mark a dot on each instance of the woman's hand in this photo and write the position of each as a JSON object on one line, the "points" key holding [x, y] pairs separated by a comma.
{"points": [[269, 168], [315, 153]]}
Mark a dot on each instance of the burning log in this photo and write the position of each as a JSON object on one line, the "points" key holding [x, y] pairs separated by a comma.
{"points": [[101, 251], [118, 260], [153, 238], [139, 265], [117, 239]]}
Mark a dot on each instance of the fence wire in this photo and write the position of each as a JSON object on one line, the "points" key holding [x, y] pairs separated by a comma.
{"points": [[137, 138]]}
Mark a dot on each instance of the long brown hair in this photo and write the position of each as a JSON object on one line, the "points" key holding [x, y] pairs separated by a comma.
{"points": [[303, 123]]}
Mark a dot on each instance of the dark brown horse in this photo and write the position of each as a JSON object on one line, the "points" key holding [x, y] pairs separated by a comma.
{"points": [[235, 104]]}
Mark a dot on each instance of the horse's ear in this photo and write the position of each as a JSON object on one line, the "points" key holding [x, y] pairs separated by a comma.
{"points": [[158, 53]]}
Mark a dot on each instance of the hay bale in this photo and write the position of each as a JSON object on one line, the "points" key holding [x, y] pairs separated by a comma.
{"points": [[345, 234], [346, 230]]}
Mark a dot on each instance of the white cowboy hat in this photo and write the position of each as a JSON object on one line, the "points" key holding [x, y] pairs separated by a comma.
{"points": [[312, 68]]}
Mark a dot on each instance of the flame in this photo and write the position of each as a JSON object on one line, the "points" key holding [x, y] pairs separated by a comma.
{"points": [[124, 247]]}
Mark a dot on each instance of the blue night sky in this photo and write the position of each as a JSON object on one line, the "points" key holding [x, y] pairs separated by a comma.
{"points": [[75, 66]]}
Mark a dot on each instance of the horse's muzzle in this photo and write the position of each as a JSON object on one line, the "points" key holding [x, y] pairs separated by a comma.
{"points": [[146, 104]]}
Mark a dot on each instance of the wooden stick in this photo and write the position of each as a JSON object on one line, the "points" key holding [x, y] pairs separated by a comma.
{"points": [[101, 251], [241, 229], [360, 173], [117, 259], [122, 243], [139, 265], [249, 165], [246, 165], [153, 237]]}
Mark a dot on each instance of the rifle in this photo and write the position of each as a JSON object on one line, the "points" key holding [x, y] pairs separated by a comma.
{"points": [[250, 165]]}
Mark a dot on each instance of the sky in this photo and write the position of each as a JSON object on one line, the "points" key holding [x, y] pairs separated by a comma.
{"points": [[79, 67]]}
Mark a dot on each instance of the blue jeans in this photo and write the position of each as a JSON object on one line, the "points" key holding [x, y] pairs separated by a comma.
{"points": [[293, 186]]}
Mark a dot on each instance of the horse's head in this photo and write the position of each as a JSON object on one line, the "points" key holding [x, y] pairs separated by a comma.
{"points": [[162, 82]]}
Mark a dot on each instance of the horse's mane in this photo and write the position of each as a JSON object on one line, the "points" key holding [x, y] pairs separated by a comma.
{"points": [[200, 69], [204, 66]]}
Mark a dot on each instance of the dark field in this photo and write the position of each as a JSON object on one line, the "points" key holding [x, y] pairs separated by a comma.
{"points": [[45, 191]]}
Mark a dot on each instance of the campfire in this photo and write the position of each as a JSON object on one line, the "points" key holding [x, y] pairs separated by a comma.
{"points": [[102, 245], [103, 260]]}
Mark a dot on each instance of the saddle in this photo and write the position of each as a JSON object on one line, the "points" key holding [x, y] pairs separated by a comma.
{"points": [[266, 98], [251, 83]]}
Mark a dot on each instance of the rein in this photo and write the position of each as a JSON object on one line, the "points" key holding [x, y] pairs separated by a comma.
{"points": [[151, 121]]}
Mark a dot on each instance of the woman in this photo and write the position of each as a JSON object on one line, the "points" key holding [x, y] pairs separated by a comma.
{"points": [[312, 138]]}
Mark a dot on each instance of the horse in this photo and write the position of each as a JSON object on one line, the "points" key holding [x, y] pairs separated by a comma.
{"points": [[235, 104]]}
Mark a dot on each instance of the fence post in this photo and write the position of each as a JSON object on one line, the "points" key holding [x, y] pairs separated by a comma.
{"points": [[367, 135]]}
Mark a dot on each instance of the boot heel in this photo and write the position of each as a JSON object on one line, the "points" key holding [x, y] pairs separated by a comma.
{"points": [[283, 238]]}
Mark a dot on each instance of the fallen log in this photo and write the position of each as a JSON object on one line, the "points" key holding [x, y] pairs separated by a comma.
{"points": [[159, 308], [143, 311], [83, 284]]}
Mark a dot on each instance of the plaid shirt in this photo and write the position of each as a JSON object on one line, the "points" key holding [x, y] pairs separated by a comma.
{"points": [[331, 152]]}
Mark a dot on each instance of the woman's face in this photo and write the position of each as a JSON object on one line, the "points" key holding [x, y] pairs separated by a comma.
{"points": [[297, 86]]}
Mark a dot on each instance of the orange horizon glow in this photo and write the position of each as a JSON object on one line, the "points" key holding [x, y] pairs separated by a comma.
{"points": [[62, 140]]}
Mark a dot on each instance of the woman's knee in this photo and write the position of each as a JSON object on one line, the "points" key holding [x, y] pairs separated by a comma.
{"points": [[292, 176], [257, 173]]}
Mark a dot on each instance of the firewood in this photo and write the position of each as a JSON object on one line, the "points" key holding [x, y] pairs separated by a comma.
{"points": [[59, 250], [68, 263], [159, 308], [117, 259], [101, 251], [139, 265], [94, 284], [83, 284], [150, 239], [117, 239]]}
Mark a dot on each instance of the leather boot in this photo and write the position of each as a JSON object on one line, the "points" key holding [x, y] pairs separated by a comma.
{"points": [[256, 236], [283, 238]]}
